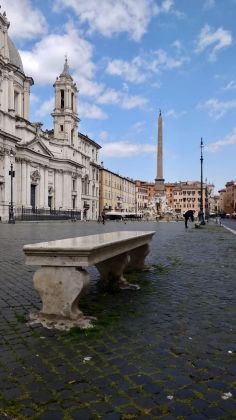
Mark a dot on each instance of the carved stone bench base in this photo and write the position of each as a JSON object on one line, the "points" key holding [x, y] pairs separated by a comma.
{"points": [[112, 270], [62, 324], [60, 289]]}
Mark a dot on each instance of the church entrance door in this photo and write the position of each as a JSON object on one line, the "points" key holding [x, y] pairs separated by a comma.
{"points": [[33, 196]]}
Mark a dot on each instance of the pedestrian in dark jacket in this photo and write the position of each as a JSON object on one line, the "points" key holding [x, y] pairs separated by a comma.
{"points": [[188, 215], [103, 217]]}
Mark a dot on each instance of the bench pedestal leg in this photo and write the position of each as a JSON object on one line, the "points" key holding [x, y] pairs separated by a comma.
{"points": [[137, 258], [59, 289], [112, 270]]}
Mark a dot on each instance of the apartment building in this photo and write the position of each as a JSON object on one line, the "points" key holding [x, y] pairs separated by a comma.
{"points": [[141, 197], [169, 190], [227, 198], [183, 196], [116, 193]]}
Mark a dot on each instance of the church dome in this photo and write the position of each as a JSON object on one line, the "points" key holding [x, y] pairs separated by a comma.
{"points": [[14, 56]]}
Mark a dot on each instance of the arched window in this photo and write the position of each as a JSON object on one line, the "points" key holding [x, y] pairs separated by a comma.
{"points": [[62, 99], [72, 101], [72, 137]]}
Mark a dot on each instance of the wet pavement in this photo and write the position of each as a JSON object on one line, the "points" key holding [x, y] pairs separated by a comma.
{"points": [[167, 351]]}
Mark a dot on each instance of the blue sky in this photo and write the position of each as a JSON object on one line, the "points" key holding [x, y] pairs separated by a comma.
{"points": [[129, 59]]}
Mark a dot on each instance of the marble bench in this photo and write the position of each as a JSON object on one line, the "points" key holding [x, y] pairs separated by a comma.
{"points": [[63, 275]]}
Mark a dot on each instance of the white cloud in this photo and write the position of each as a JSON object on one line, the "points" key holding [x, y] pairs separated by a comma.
{"points": [[115, 16], [177, 45], [231, 85], [209, 4], [110, 96], [128, 70], [34, 98], [103, 135], [166, 5], [133, 101], [82, 68], [141, 67], [87, 87], [216, 109], [217, 40], [91, 111], [174, 114], [230, 139], [124, 149], [122, 99], [139, 126], [27, 22], [46, 108], [163, 61], [54, 47]]}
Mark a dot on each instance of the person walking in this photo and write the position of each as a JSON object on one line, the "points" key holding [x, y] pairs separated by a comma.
{"points": [[103, 218]]}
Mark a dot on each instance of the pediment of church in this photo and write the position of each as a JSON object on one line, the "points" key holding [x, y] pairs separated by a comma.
{"points": [[38, 146]]}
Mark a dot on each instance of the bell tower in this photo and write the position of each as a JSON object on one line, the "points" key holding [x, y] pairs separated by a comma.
{"points": [[65, 115]]}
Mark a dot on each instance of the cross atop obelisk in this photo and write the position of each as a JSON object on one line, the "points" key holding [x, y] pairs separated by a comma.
{"points": [[159, 181]]}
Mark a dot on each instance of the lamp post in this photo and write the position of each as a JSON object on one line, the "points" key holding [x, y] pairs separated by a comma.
{"points": [[206, 203], [12, 175], [201, 213]]}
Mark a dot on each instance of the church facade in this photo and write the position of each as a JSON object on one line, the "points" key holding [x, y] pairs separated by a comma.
{"points": [[46, 170]]}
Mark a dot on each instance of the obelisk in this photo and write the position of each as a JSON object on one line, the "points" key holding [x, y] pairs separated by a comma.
{"points": [[159, 181]]}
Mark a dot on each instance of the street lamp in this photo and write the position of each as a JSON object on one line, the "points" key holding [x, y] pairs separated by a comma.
{"points": [[206, 203], [12, 175], [201, 213]]}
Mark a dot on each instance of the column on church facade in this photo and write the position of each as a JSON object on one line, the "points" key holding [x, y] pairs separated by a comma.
{"points": [[70, 101], [45, 186], [69, 186], [58, 189], [74, 104], [5, 97], [57, 97], [11, 92], [79, 192], [41, 188], [26, 100], [17, 192], [28, 184], [23, 182], [55, 189], [7, 165], [65, 193], [20, 104]]}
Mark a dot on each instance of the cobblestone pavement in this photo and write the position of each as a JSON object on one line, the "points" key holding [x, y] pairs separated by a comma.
{"points": [[166, 351], [229, 223]]}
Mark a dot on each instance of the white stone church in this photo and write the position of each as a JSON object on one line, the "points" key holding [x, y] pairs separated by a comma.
{"points": [[54, 170]]}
